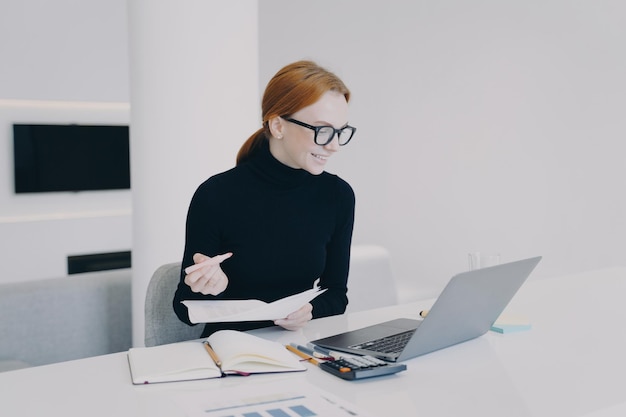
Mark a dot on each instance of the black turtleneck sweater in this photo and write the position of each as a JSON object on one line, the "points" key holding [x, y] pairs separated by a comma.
{"points": [[285, 228]]}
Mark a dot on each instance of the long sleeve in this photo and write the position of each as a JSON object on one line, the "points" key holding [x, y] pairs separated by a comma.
{"points": [[285, 227], [201, 236], [335, 276]]}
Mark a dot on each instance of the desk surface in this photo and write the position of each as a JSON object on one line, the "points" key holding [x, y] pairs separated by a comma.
{"points": [[571, 363]]}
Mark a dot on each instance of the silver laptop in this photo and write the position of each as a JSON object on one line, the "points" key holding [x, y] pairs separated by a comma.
{"points": [[466, 308]]}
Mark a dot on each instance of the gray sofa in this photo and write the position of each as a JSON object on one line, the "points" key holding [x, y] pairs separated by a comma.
{"points": [[66, 318]]}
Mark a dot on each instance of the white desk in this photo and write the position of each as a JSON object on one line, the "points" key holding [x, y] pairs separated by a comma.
{"points": [[571, 363]]}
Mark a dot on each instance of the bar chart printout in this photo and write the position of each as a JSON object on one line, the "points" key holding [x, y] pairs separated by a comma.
{"points": [[308, 402], [277, 407]]}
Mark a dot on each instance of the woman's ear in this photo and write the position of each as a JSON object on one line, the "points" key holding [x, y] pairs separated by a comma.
{"points": [[276, 127]]}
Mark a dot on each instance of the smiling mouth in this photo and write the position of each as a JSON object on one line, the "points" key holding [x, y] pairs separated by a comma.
{"points": [[320, 157]]}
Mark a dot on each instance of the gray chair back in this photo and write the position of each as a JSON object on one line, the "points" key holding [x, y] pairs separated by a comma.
{"points": [[371, 283], [162, 326]]}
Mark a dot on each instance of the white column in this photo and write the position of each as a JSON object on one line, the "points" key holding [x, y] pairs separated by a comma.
{"points": [[194, 101]]}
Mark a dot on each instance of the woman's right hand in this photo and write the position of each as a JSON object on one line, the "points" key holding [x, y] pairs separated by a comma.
{"points": [[206, 275]]}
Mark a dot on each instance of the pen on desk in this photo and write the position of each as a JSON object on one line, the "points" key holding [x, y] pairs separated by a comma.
{"points": [[214, 356], [311, 352], [332, 355], [302, 355], [423, 313], [318, 348]]}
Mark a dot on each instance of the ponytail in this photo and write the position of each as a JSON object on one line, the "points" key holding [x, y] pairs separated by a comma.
{"points": [[251, 146]]}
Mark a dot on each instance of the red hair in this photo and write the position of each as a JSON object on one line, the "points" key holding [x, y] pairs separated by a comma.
{"points": [[294, 87]]}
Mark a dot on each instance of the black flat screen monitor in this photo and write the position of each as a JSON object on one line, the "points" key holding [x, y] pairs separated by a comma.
{"points": [[71, 157]]}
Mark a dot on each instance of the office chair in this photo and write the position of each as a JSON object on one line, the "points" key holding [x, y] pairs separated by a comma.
{"points": [[162, 326], [370, 281]]}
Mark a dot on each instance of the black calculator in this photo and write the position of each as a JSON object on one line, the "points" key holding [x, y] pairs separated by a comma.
{"points": [[359, 367]]}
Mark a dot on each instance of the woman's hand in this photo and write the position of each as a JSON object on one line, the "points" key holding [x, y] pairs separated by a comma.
{"points": [[206, 275], [297, 319]]}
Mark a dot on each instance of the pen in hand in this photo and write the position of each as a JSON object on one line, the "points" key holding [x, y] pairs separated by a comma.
{"points": [[217, 259]]}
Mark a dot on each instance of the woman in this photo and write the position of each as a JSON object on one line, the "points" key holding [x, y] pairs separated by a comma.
{"points": [[285, 221]]}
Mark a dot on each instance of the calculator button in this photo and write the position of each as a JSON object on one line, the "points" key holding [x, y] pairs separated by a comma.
{"points": [[374, 360], [344, 370], [353, 362]]}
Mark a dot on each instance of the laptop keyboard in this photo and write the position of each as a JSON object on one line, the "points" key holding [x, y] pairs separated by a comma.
{"points": [[389, 344]]}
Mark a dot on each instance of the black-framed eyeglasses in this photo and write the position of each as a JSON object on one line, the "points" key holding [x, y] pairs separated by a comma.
{"points": [[325, 134]]}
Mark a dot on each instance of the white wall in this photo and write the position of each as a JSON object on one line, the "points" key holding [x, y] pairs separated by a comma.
{"points": [[39, 231], [62, 62], [483, 125], [74, 50]]}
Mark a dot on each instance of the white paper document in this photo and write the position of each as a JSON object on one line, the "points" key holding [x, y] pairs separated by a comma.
{"points": [[273, 399], [217, 311]]}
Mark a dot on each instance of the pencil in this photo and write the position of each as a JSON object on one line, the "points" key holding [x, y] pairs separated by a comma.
{"points": [[302, 355], [214, 356]]}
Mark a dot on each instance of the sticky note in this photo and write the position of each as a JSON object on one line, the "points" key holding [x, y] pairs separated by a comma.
{"points": [[508, 323]]}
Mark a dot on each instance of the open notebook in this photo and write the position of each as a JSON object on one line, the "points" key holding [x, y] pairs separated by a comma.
{"points": [[239, 353]]}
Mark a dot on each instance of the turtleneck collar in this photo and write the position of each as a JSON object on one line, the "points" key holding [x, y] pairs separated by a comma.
{"points": [[275, 172]]}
